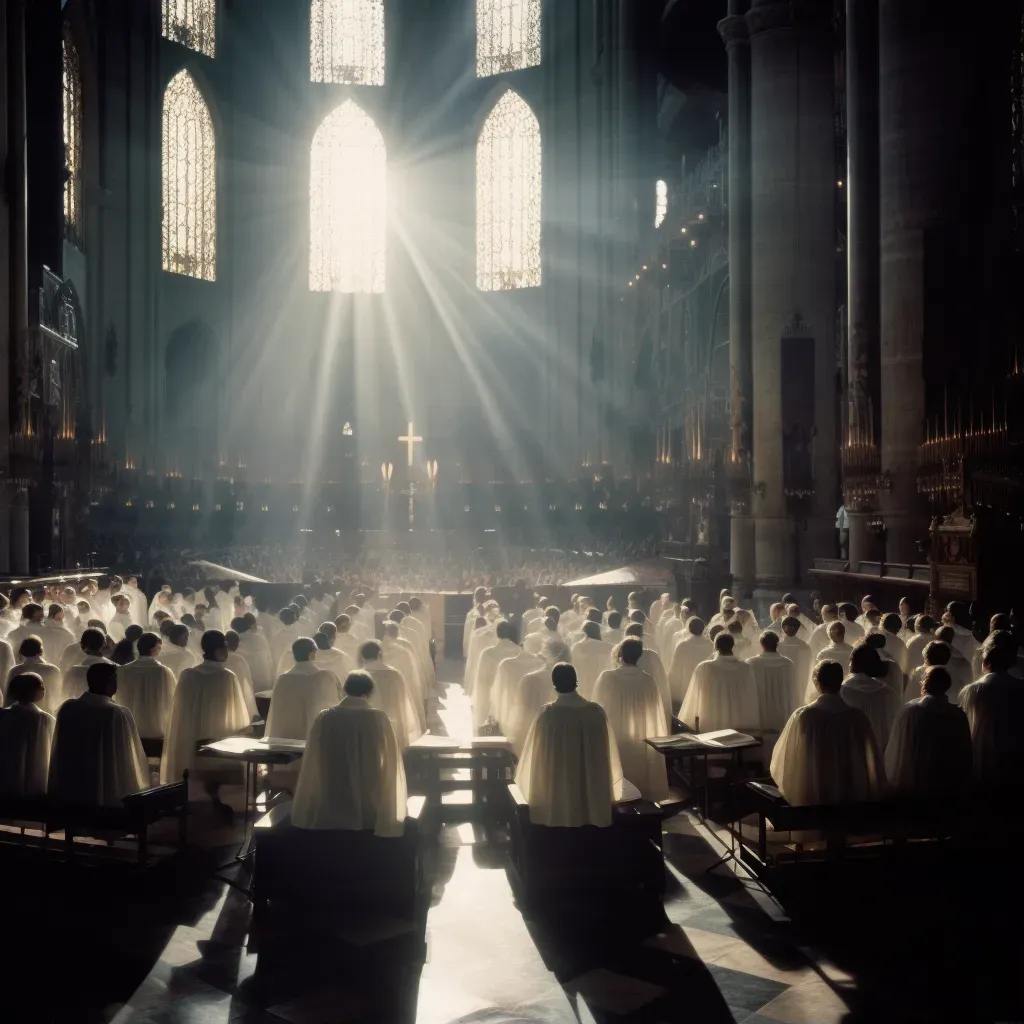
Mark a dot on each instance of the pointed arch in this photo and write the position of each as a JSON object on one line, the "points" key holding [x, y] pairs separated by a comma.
{"points": [[73, 115], [346, 42], [189, 181], [347, 203], [192, 23], [507, 35], [508, 197]]}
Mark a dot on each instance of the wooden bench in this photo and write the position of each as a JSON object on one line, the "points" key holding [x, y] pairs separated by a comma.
{"points": [[133, 818], [553, 863], [323, 893]]}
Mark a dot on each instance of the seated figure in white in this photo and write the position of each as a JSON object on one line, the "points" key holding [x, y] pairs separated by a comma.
{"points": [[929, 751], [392, 694], [636, 712], [506, 679], [819, 637], [936, 655], [795, 647], [569, 771], [398, 653], [301, 693], [865, 688], [533, 642], [722, 693], [827, 753], [31, 658], [891, 671], [253, 646], [97, 758], [26, 733], [176, 653], [529, 693], [960, 669], [837, 649], [924, 634], [238, 664], [779, 692], [650, 661], [504, 646], [482, 636], [74, 681], [689, 652], [351, 775], [590, 657], [146, 688]]}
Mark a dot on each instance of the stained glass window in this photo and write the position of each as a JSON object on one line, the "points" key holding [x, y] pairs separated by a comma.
{"points": [[347, 203], [507, 35], [346, 42], [72, 141], [189, 181], [508, 197], [660, 203], [193, 23]]}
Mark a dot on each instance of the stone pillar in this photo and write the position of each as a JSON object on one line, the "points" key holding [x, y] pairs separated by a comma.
{"points": [[793, 261], [860, 539], [19, 533], [733, 30]]}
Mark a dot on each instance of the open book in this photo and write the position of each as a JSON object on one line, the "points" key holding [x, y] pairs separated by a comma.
{"points": [[725, 738]]}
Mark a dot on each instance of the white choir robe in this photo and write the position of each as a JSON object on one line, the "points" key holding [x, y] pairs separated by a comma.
{"points": [[742, 648], [7, 659], [71, 655], [333, 660], [959, 676], [282, 641], [256, 651], [819, 638], [523, 702], [535, 641], [929, 749], [51, 676], [208, 705], [479, 640], [21, 633], [613, 636], [590, 658], [877, 699], [827, 754], [915, 650], [896, 649], [669, 631], [146, 689], [659, 607], [97, 757], [348, 644], [468, 627], [689, 653], [486, 673], [994, 706], [351, 776], [964, 642], [839, 653], [798, 652], [26, 735], [636, 711], [54, 638], [722, 695], [75, 681], [139, 606], [299, 696], [237, 664], [177, 659], [391, 693], [652, 664], [397, 653], [569, 771], [854, 630], [510, 671], [779, 692]]}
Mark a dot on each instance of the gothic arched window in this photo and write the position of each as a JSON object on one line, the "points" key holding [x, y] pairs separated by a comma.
{"points": [[347, 203], [507, 35], [189, 181], [660, 202], [346, 42], [72, 141], [508, 197], [193, 23]]}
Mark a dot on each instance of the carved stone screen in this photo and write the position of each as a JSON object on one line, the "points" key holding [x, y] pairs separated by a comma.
{"points": [[346, 42]]}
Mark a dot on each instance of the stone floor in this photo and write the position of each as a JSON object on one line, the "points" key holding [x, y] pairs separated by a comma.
{"points": [[169, 947]]}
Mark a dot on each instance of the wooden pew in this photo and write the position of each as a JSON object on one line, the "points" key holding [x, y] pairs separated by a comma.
{"points": [[314, 890], [552, 863]]}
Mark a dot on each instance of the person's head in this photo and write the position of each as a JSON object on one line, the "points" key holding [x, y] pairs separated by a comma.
{"points": [[728, 616], [132, 633], [873, 617], [728, 603], [214, 645], [390, 630], [166, 625], [369, 652], [614, 620], [637, 616], [735, 627], [848, 611], [92, 642], [935, 680], [358, 684], [836, 632], [687, 608], [791, 625], [303, 649], [200, 612], [84, 609], [239, 625], [829, 613], [232, 639], [636, 631], [777, 610], [997, 655], [592, 630], [55, 613], [936, 653], [925, 625], [866, 602], [504, 630], [32, 612], [1000, 622], [695, 625], [724, 643], [892, 623], [478, 623], [828, 676], [251, 619], [960, 613], [26, 688], [479, 595], [359, 600], [769, 641], [150, 645], [630, 651], [875, 640], [123, 652], [300, 602], [31, 647], [714, 631], [344, 623], [179, 635], [287, 616], [946, 634], [329, 630], [563, 677], [866, 661], [188, 619], [101, 678], [905, 608]]}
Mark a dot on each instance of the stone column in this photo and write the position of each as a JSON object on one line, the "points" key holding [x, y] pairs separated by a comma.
{"points": [[793, 261], [733, 30], [19, 533], [860, 539]]}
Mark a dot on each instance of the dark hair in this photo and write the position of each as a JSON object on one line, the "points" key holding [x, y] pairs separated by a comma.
{"points": [[31, 610], [999, 622], [147, 642], [630, 651], [232, 639], [24, 686], [100, 676], [735, 627], [358, 684], [343, 622], [769, 640], [937, 653], [92, 640], [997, 655], [329, 630], [724, 643], [563, 677], [892, 623], [369, 651], [31, 647], [946, 634], [322, 641], [829, 675], [594, 615], [287, 616], [695, 624], [302, 649], [634, 629], [178, 635], [847, 610], [935, 680], [791, 622], [925, 624], [866, 661], [240, 625], [614, 620], [504, 630], [875, 640], [715, 630], [212, 642], [637, 616]]}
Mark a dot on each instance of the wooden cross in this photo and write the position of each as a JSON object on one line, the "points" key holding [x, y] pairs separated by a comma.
{"points": [[410, 439]]}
